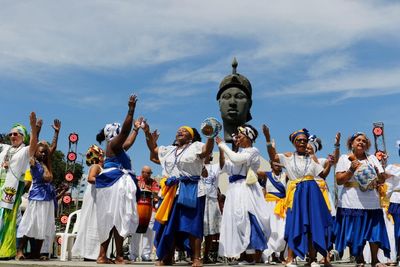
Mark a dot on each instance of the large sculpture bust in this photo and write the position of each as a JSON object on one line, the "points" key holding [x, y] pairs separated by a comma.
{"points": [[234, 97]]}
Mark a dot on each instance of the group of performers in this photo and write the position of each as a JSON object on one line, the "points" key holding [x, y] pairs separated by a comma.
{"points": [[285, 213]]}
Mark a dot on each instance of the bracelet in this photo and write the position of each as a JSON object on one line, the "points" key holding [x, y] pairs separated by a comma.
{"points": [[337, 145], [135, 129], [351, 170], [269, 144]]}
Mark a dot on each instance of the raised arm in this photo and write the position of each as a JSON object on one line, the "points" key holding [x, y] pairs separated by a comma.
{"points": [[56, 126], [336, 153], [270, 147], [132, 137], [218, 140], [117, 142], [207, 148], [34, 135], [151, 143]]}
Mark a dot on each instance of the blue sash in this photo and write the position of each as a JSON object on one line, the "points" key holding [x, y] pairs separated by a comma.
{"points": [[109, 176], [235, 178], [188, 191], [278, 185]]}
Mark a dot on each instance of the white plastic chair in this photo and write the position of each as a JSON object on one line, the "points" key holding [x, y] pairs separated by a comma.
{"points": [[68, 237]]}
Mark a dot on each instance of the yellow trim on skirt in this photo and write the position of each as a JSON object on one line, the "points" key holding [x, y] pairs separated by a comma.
{"points": [[325, 193], [291, 189]]}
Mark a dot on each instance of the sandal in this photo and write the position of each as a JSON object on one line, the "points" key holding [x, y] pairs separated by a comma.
{"points": [[20, 258], [107, 261], [44, 258], [197, 262], [379, 264]]}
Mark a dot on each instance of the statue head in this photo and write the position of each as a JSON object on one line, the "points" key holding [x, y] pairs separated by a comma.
{"points": [[234, 97]]}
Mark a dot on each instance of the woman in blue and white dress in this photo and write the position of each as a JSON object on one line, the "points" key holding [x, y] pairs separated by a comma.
{"points": [[359, 215], [274, 184], [245, 224], [116, 188], [308, 220], [182, 163]]}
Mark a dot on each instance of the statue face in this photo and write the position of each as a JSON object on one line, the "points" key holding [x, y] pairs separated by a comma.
{"points": [[234, 106]]}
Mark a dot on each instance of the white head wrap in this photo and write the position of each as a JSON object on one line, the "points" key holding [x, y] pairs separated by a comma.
{"points": [[247, 131], [312, 140], [111, 130]]}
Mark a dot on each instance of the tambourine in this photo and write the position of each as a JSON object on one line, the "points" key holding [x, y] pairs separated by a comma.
{"points": [[210, 127]]}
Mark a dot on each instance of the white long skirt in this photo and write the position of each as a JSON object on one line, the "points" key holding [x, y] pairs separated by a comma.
{"points": [[212, 216], [117, 207], [241, 199], [38, 220], [276, 241], [87, 244]]}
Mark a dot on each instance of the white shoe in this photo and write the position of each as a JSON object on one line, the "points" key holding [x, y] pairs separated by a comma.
{"points": [[315, 264], [292, 264], [247, 263]]}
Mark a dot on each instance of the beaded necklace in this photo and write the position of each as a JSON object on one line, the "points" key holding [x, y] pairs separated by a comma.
{"points": [[176, 157], [297, 171]]}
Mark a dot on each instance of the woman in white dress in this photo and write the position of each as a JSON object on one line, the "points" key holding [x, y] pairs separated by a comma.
{"points": [[359, 215], [116, 188], [87, 244], [14, 160], [245, 223], [182, 164]]}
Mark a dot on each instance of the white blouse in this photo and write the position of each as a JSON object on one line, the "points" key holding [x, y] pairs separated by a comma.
{"points": [[183, 162], [353, 197], [298, 166]]}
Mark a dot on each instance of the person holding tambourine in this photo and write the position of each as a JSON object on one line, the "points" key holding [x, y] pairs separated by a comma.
{"points": [[359, 215]]}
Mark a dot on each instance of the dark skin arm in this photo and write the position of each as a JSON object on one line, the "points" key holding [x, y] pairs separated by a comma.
{"points": [[93, 172], [56, 126], [273, 155], [221, 153], [115, 146], [151, 141], [132, 137], [34, 135]]}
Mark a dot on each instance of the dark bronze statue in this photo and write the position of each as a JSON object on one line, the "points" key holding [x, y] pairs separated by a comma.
{"points": [[234, 97]]}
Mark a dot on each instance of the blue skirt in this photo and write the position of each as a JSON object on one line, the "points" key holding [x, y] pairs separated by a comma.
{"points": [[394, 210], [182, 223], [308, 216], [354, 227]]}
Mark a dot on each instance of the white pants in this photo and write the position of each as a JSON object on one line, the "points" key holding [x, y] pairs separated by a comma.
{"points": [[142, 242]]}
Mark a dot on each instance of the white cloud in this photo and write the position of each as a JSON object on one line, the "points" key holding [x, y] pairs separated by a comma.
{"points": [[94, 34], [361, 83]]}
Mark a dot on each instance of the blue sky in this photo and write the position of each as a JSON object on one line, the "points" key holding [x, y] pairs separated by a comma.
{"points": [[325, 65]]}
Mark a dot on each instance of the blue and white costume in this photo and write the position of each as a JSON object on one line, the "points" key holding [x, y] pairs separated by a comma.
{"points": [[245, 222], [359, 215], [307, 214], [183, 166], [116, 195], [38, 219]]}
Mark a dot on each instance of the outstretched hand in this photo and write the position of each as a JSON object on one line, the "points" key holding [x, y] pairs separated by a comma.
{"points": [[32, 120], [266, 133], [56, 125], [337, 138], [132, 101], [155, 134], [138, 122]]}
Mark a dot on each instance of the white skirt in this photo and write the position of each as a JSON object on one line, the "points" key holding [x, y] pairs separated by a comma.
{"points": [[117, 207], [241, 199], [87, 244], [212, 216], [38, 220], [276, 241]]}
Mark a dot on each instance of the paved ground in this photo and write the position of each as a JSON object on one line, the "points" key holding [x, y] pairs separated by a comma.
{"points": [[51, 263]]}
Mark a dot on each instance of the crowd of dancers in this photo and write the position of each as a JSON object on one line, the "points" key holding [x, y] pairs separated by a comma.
{"points": [[264, 216]]}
